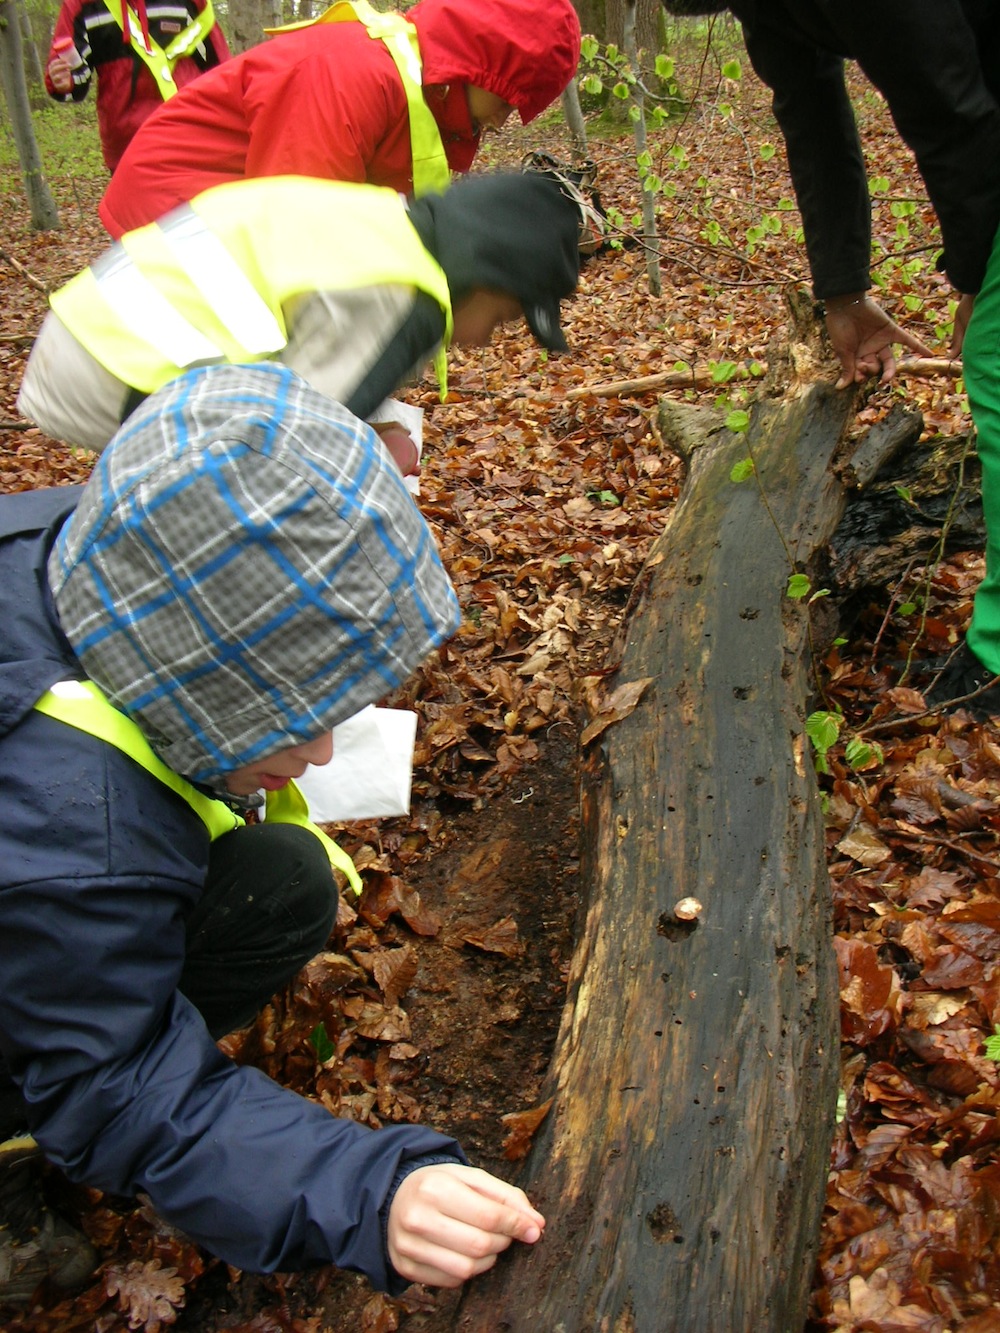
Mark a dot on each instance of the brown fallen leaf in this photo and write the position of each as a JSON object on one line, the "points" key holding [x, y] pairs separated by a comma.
{"points": [[521, 1130], [148, 1295], [501, 937], [619, 704]]}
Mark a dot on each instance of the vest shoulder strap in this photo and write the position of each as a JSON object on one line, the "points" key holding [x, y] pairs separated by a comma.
{"points": [[431, 172], [80, 704], [160, 62]]}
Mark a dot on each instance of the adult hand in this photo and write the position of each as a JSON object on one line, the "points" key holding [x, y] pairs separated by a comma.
{"points": [[863, 336], [61, 74], [448, 1223], [963, 313]]}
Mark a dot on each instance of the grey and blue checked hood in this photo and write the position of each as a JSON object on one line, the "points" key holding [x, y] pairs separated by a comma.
{"points": [[245, 569]]}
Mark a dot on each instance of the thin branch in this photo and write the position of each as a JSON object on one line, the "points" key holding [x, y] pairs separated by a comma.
{"points": [[28, 276]]}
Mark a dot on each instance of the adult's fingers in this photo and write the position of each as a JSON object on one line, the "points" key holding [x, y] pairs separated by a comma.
{"points": [[963, 313]]}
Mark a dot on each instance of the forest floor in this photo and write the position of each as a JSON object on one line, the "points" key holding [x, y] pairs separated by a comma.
{"points": [[441, 992]]}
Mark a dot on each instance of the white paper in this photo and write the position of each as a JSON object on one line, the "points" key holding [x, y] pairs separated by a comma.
{"points": [[370, 772], [391, 409]]}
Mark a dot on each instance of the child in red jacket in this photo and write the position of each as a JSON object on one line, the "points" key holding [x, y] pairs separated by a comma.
{"points": [[328, 101], [179, 39]]}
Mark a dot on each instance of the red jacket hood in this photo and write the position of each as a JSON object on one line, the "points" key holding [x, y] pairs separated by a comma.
{"points": [[525, 51]]}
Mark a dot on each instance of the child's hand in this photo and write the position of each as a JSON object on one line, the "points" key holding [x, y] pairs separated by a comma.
{"points": [[398, 440], [61, 74], [448, 1223]]}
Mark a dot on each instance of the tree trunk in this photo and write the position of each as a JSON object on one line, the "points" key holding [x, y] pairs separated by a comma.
{"points": [[575, 122], [650, 239], [44, 214], [649, 24], [246, 24], [32, 60], [682, 1167]]}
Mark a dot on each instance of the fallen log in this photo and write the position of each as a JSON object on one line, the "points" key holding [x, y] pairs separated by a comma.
{"points": [[682, 1167]]}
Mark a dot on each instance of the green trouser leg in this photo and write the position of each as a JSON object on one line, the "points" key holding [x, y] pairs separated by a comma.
{"points": [[981, 365]]}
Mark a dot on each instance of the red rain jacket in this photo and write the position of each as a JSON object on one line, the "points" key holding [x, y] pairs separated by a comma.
{"points": [[328, 101]]}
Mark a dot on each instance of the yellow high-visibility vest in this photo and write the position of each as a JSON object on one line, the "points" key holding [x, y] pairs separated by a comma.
{"points": [[431, 173], [158, 60], [80, 704], [207, 284]]}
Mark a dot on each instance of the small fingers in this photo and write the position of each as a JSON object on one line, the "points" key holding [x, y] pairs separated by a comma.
{"points": [[449, 1222]]}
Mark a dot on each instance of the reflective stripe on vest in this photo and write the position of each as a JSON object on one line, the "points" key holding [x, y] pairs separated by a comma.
{"points": [[431, 172], [209, 283], [253, 330], [158, 61], [80, 704]]}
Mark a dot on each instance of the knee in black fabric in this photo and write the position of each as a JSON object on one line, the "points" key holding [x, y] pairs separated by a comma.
{"points": [[310, 889], [269, 905]]}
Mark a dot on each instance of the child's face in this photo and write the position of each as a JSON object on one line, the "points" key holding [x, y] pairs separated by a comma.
{"points": [[486, 109], [277, 770], [479, 313]]}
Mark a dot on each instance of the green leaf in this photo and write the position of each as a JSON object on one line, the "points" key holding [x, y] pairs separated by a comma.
{"points": [[620, 90], [664, 66], [767, 151], [731, 70], [589, 47], [863, 754], [593, 84], [737, 420], [993, 1046], [799, 586], [722, 371], [823, 729], [566, 560], [321, 1043], [907, 608], [742, 470], [905, 493]]}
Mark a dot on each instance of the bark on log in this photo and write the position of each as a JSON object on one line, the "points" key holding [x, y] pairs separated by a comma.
{"points": [[682, 1168]]}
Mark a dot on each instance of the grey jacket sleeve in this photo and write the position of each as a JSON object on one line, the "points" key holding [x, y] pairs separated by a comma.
{"points": [[358, 347]]}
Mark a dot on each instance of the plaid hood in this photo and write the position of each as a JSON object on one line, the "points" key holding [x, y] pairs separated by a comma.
{"points": [[245, 569]]}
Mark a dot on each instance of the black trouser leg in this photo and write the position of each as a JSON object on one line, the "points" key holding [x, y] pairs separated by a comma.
{"points": [[269, 905]]}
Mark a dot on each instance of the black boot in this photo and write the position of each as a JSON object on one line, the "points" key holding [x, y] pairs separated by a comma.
{"points": [[965, 675], [35, 1244]]}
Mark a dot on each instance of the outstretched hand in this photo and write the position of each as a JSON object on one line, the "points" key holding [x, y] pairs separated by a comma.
{"points": [[448, 1223], [863, 337]]}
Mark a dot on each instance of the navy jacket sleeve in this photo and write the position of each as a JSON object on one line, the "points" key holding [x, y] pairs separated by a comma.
{"points": [[124, 1086], [927, 59]]}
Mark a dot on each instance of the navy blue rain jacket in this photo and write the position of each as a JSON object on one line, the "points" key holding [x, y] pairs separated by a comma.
{"points": [[124, 1087], [937, 63]]}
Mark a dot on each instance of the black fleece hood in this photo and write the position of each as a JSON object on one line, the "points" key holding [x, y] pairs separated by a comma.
{"points": [[508, 232]]}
